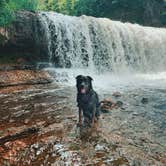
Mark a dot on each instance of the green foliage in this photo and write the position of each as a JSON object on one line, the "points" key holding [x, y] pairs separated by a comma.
{"points": [[136, 11], [105, 7], [5, 14], [62, 6], [30, 5], [8, 7], [125, 10]]}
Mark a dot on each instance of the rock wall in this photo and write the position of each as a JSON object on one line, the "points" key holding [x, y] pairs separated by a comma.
{"points": [[24, 37]]}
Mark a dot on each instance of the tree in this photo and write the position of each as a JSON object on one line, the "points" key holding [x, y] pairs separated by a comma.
{"points": [[136, 11], [147, 12], [5, 13], [8, 7]]}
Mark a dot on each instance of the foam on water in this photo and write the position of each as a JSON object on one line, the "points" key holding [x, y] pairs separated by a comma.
{"points": [[109, 81]]}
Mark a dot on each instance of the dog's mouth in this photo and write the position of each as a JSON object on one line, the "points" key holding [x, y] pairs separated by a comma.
{"points": [[83, 90]]}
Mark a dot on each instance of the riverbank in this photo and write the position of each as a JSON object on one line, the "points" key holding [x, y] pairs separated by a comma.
{"points": [[38, 126]]}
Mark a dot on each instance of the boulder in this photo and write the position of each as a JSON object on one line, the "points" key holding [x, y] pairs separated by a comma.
{"points": [[108, 104], [117, 94]]}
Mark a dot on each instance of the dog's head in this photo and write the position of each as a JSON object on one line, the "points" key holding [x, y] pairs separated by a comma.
{"points": [[84, 84]]}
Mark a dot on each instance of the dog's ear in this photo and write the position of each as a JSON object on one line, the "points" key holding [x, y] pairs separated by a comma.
{"points": [[78, 77], [90, 78]]}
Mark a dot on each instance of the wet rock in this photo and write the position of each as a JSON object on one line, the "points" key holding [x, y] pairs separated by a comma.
{"points": [[144, 100], [119, 103], [120, 161], [117, 94], [136, 162], [26, 121], [74, 146], [11, 120], [71, 117], [23, 134], [107, 105], [57, 128], [15, 89], [99, 147], [101, 151], [100, 154], [66, 156], [35, 146], [17, 66], [24, 77]]}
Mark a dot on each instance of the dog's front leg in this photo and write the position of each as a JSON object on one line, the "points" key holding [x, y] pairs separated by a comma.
{"points": [[93, 116], [80, 117]]}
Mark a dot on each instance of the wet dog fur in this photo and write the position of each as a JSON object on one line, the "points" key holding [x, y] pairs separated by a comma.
{"points": [[87, 100]]}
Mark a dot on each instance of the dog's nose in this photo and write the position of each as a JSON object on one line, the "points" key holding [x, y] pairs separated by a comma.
{"points": [[82, 85]]}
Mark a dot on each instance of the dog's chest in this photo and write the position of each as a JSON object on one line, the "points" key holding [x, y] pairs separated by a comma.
{"points": [[85, 99]]}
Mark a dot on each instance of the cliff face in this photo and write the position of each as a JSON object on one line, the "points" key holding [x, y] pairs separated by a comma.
{"points": [[24, 36]]}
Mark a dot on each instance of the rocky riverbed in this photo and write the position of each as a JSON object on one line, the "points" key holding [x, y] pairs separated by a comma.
{"points": [[38, 127]]}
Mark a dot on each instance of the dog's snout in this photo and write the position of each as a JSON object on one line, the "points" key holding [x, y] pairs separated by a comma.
{"points": [[82, 85]]}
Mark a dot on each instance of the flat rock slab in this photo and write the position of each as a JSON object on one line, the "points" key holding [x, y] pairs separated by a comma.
{"points": [[24, 77], [19, 66], [38, 127]]}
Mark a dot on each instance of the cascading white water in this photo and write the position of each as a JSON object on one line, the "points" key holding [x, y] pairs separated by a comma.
{"points": [[95, 46], [102, 44]]}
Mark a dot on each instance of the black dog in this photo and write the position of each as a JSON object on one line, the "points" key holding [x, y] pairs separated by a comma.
{"points": [[87, 100]]}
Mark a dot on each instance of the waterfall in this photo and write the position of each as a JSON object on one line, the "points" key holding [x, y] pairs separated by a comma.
{"points": [[103, 45]]}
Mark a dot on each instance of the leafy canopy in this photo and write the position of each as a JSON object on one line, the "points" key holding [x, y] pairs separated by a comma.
{"points": [[8, 7], [126, 10]]}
